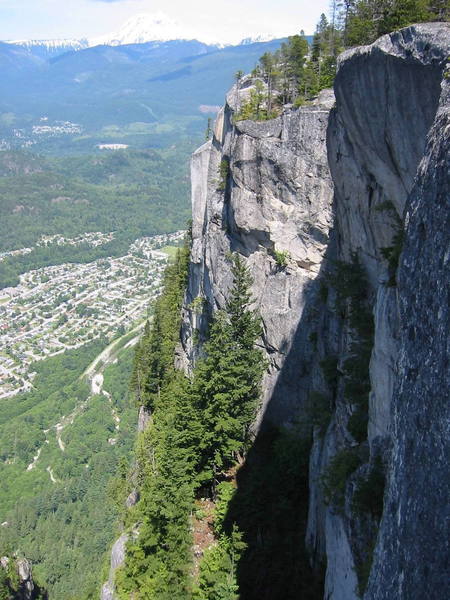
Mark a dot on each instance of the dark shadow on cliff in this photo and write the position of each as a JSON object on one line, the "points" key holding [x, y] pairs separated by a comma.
{"points": [[270, 506]]}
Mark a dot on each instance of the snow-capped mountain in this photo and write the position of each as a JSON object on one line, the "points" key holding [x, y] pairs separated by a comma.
{"points": [[52, 47], [53, 44], [143, 28], [263, 37]]}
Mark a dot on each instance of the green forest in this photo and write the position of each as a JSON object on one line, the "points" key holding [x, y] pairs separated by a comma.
{"points": [[192, 478], [297, 71], [65, 528], [133, 193]]}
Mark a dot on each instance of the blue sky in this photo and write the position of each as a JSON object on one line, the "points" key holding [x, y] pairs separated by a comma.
{"points": [[221, 19]]}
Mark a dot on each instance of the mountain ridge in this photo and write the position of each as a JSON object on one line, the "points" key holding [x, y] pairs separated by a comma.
{"points": [[141, 28]]}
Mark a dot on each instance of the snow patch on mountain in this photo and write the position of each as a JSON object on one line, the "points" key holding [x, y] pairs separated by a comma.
{"points": [[52, 45], [139, 29]]}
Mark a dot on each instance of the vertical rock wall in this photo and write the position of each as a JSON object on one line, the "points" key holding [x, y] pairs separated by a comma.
{"points": [[412, 559], [276, 197], [388, 96], [273, 194]]}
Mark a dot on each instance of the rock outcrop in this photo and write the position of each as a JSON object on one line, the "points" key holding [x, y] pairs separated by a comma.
{"points": [[117, 560], [412, 558], [306, 191], [390, 97], [273, 205], [18, 583]]}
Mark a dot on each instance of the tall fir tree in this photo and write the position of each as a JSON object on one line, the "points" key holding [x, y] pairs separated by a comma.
{"points": [[227, 382]]}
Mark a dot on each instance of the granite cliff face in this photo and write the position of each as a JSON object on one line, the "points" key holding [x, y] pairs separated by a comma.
{"points": [[412, 558], [365, 185], [275, 200]]}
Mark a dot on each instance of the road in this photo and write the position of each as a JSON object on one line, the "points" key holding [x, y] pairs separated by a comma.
{"points": [[94, 374]]}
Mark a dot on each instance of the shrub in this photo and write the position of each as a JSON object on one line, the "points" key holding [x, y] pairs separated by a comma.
{"points": [[335, 476], [329, 370], [196, 306], [225, 493], [224, 171], [281, 257], [392, 255], [349, 281], [318, 411], [369, 493], [313, 338], [357, 424], [323, 292]]}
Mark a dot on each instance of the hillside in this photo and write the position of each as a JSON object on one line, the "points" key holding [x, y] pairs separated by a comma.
{"points": [[130, 193], [256, 407], [145, 95]]}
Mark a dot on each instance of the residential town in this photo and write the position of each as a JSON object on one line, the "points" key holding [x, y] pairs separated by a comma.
{"points": [[45, 129], [62, 307]]}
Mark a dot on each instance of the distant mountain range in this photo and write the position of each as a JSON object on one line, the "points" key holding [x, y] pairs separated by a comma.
{"points": [[139, 29], [143, 86], [50, 48]]}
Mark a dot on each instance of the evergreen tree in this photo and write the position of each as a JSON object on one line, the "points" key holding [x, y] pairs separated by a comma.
{"points": [[153, 362], [197, 430], [227, 381], [368, 19]]}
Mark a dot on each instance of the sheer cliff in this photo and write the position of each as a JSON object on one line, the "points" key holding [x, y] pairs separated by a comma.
{"points": [[340, 212], [342, 216], [274, 207]]}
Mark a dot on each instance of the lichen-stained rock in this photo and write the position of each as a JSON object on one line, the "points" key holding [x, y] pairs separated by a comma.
{"points": [[412, 559], [274, 200], [264, 189], [387, 97]]}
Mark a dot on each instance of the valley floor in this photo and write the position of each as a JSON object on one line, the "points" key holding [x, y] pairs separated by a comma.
{"points": [[58, 308]]}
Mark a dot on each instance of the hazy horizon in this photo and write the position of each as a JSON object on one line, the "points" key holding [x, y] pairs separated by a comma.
{"points": [[224, 21]]}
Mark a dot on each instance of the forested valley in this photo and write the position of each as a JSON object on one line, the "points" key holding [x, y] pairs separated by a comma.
{"points": [[133, 193], [61, 512]]}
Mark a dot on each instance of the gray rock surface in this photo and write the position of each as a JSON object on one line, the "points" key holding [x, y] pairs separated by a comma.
{"points": [[412, 559], [117, 560], [24, 586], [143, 418], [132, 498], [25, 578], [107, 592], [277, 198], [387, 97]]}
